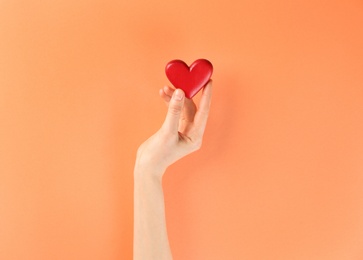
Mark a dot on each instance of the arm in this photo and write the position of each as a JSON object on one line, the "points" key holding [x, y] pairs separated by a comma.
{"points": [[150, 236], [180, 134]]}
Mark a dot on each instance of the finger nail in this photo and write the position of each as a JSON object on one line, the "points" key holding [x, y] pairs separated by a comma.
{"points": [[178, 94]]}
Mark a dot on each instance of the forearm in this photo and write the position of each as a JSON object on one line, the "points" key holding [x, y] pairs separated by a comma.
{"points": [[150, 234]]}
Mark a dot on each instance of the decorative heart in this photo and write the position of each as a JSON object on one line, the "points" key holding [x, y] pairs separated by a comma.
{"points": [[189, 79]]}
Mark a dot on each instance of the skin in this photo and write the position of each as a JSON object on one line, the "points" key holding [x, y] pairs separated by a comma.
{"points": [[180, 134]]}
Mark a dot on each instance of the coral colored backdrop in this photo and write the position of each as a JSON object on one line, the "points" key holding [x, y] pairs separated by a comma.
{"points": [[280, 174]]}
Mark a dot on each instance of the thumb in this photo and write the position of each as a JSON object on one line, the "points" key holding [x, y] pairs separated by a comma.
{"points": [[171, 123]]}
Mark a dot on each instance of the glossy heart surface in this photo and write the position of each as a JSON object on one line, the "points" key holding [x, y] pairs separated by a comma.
{"points": [[190, 79]]}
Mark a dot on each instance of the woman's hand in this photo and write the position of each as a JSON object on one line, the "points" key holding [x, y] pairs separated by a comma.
{"points": [[181, 133]]}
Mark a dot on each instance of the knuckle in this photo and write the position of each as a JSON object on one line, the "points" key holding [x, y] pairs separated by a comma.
{"points": [[204, 113], [174, 110]]}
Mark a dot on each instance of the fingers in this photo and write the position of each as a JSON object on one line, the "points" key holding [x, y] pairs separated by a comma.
{"points": [[175, 108], [168, 91], [164, 97], [201, 115], [189, 107], [166, 94]]}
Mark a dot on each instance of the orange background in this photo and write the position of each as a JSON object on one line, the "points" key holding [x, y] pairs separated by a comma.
{"points": [[280, 174]]}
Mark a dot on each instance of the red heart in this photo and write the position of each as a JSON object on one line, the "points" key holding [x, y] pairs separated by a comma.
{"points": [[189, 79]]}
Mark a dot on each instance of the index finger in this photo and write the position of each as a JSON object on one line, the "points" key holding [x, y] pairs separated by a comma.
{"points": [[201, 117]]}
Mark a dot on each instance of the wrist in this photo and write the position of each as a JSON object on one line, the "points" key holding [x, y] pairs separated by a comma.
{"points": [[147, 171]]}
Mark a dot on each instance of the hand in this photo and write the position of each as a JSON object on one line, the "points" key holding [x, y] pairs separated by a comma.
{"points": [[181, 133]]}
